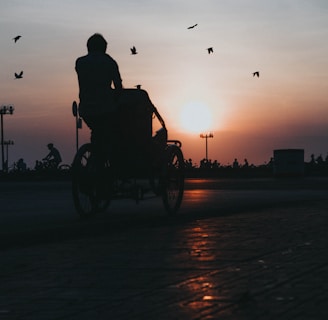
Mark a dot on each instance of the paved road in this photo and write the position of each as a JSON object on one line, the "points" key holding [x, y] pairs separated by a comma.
{"points": [[237, 250], [40, 211]]}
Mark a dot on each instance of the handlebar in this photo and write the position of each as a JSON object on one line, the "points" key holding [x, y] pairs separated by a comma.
{"points": [[160, 119]]}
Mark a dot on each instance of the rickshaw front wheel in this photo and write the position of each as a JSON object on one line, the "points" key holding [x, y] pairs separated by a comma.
{"points": [[172, 179], [85, 184]]}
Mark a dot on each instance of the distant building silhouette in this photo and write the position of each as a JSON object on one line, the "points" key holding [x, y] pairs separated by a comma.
{"points": [[288, 162]]}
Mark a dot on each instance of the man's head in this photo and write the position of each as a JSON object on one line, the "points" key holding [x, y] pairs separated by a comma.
{"points": [[97, 43], [50, 146]]}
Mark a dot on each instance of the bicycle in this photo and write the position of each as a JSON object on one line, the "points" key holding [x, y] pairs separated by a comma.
{"points": [[101, 174], [50, 165]]}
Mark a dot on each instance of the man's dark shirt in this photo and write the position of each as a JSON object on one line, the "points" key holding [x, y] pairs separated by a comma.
{"points": [[96, 73]]}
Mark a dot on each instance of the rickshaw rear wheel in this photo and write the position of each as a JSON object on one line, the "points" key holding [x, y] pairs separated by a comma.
{"points": [[172, 181], [85, 186]]}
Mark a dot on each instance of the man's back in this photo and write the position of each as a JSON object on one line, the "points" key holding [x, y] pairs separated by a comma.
{"points": [[96, 72], [55, 154]]}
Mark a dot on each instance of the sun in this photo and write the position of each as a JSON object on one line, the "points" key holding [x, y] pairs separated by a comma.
{"points": [[195, 117]]}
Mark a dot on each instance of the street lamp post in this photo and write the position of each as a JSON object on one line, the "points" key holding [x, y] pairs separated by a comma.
{"points": [[206, 136], [4, 110], [78, 122], [7, 143]]}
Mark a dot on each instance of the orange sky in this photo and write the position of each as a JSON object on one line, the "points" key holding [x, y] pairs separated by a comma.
{"points": [[286, 107]]}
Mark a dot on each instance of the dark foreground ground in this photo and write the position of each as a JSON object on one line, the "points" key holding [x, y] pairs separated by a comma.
{"points": [[259, 254]]}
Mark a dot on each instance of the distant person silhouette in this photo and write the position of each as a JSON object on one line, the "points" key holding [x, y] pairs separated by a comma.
{"points": [[53, 156], [312, 162], [246, 165], [21, 165], [235, 164], [319, 160], [100, 84]]}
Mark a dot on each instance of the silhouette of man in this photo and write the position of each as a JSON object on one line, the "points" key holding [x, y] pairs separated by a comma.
{"points": [[21, 165], [100, 83], [53, 156], [235, 164]]}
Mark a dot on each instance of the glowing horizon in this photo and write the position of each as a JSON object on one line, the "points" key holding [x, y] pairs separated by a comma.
{"points": [[286, 107]]}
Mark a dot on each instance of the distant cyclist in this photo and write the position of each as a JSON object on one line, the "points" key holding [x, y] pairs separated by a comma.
{"points": [[53, 157]]}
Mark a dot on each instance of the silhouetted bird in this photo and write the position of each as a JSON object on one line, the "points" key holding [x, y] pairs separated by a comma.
{"points": [[210, 50], [138, 86], [133, 50], [256, 73], [17, 38], [19, 76], [191, 27]]}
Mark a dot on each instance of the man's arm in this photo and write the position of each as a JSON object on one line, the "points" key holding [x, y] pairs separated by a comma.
{"points": [[117, 80], [47, 157]]}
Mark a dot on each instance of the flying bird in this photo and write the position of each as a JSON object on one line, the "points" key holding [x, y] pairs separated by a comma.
{"points": [[17, 38], [133, 50], [191, 27], [256, 73], [19, 76], [210, 50]]}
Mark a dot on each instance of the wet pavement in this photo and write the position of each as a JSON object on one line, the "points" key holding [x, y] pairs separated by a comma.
{"points": [[256, 262]]}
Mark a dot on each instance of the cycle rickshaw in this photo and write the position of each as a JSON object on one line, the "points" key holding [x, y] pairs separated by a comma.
{"points": [[139, 161]]}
